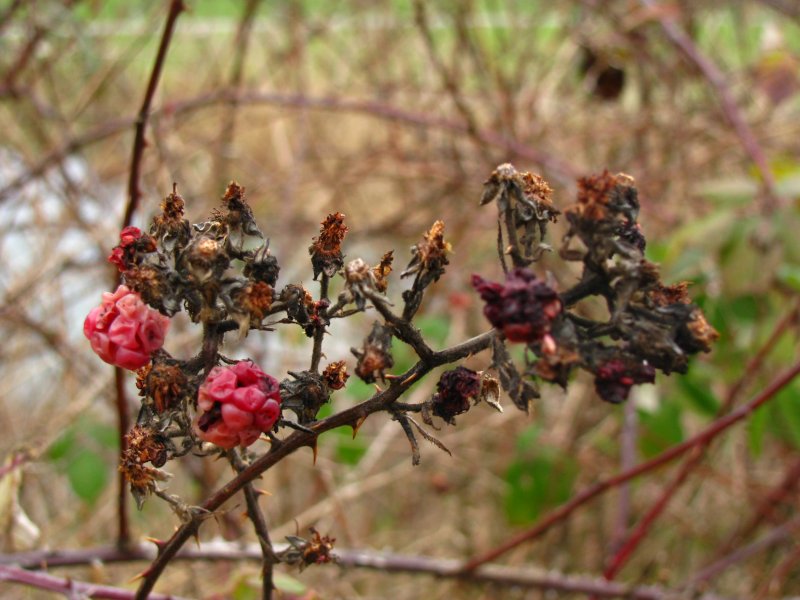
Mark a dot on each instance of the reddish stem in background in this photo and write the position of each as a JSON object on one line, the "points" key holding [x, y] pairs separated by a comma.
{"points": [[134, 193], [68, 586], [728, 103], [565, 510], [629, 545]]}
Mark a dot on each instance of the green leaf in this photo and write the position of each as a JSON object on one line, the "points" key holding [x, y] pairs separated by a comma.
{"points": [[660, 429], [288, 584], [541, 477], [103, 434], [88, 475], [698, 394], [350, 451], [434, 329], [63, 446], [789, 275], [787, 413]]}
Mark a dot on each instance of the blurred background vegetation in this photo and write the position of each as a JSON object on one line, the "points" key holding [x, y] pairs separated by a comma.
{"points": [[395, 115]]}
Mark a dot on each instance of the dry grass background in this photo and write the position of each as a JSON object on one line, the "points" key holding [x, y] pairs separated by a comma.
{"points": [[343, 106]]}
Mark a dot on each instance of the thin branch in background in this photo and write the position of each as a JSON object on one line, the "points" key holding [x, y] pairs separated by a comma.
{"points": [[765, 509], [565, 510], [139, 143], [69, 587], [728, 103], [448, 80], [441, 568], [630, 542], [241, 44], [775, 580], [627, 461], [783, 533], [134, 193]]}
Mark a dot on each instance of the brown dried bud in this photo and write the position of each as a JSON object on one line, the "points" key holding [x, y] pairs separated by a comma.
{"points": [[375, 357], [164, 383], [336, 375], [153, 285], [142, 446], [255, 299], [594, 192], [170, 227], [696, 335], [381, 272], [326, 249], [537, 190]]}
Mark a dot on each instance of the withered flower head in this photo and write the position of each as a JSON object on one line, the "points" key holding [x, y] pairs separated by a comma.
{"points": [[375, 356], [429, 257], [326, 249], [162, 382], [357, 271], [153, 285], [360, 280], [255, 299], [614, 379], [206, 258], [240, 217], [303, 553], [143, 446], [304, 394], [594, 193], [336, 375], [302, 309], [522, 308], [262, 266], [170, 227]]}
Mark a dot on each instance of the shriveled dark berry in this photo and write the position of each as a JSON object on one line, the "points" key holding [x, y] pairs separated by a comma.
{"points": [[614, 379], [523, 308], [454, 391]]}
